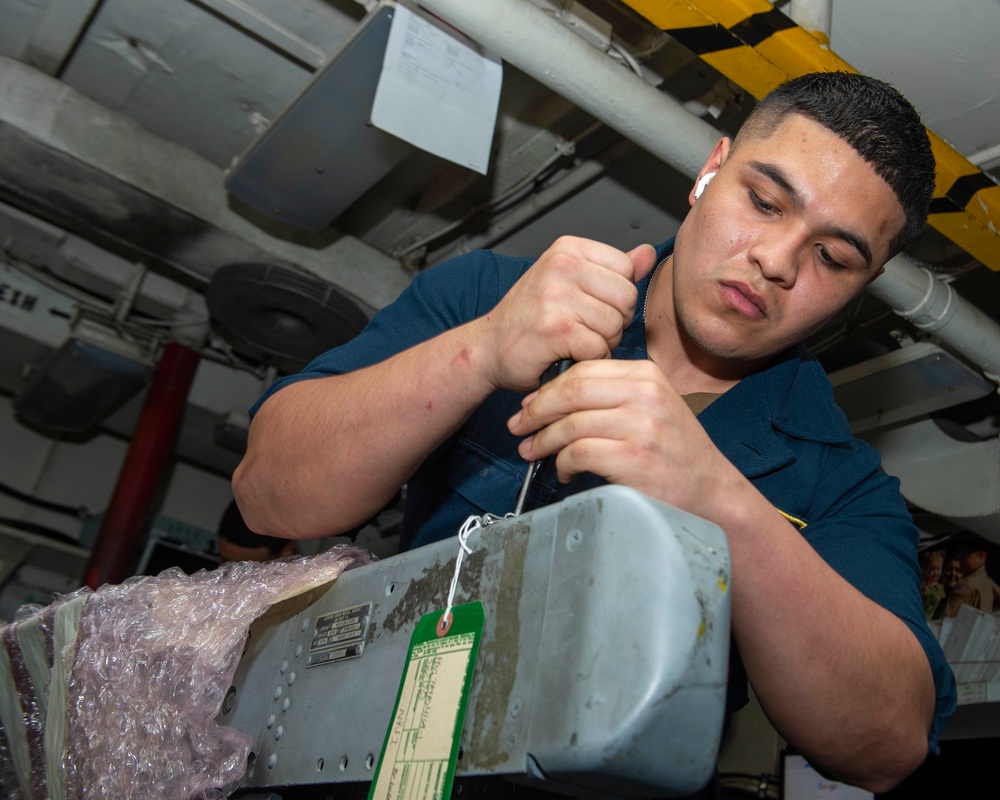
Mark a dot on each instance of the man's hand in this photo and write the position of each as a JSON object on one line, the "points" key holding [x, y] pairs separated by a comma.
{"points": [[623, 420], [574, 302]]}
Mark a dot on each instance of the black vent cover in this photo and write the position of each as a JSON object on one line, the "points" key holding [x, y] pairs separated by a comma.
{"points": [[284, 317]]}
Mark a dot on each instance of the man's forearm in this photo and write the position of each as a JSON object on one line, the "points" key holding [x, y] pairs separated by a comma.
{"points": [[841, 678], [324, 455]]}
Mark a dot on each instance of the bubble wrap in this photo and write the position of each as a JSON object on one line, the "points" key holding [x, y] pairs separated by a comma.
{"points": [[153, 659]]}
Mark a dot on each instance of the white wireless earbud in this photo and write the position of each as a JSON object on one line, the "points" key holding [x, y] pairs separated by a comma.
{"points": [[705, 180]]}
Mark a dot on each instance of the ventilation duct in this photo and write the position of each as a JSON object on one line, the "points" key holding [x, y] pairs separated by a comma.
{"points": [[919, 454]]}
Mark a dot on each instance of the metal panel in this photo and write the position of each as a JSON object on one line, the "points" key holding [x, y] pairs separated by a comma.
{"points": [[57, 33], [904, 384], [184, 73], [602, 669]]}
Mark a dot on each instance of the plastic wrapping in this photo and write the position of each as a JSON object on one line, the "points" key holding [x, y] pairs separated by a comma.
{"points": [[114, 693]]}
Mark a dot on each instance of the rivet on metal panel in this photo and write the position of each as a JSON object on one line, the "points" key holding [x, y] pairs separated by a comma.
{"points": [[272, 760], [574, 539], [229, 700]]}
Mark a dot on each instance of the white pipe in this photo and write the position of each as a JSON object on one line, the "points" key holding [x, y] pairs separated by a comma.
{"points": [[931, 305], [985, 156], [527, 37], [535, 43], [816, 16]]}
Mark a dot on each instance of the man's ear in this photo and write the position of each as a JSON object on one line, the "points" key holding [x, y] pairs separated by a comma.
{"points": [[714, 163]]}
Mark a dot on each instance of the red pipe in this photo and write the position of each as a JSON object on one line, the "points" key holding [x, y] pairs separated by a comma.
{"points": [[151, 442]]}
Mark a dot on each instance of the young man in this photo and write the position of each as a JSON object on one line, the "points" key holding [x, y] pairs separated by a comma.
{"points": [[690, 385]]}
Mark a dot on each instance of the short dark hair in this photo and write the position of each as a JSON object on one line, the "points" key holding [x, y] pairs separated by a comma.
{"points": [[876, 120]]}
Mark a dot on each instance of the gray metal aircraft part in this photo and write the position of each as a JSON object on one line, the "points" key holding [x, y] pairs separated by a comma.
{"points": [[602, 669]]}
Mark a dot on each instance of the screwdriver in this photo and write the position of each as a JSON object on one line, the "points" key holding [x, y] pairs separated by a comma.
{"points": [[536, 466]]}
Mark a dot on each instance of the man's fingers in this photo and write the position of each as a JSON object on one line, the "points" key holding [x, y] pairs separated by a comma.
{"points": [[592, 385], [569, 430], [643, 260]]}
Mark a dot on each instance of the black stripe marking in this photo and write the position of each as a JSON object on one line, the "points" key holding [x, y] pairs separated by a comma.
{"points": [[705, 39], [960, 194], [944, 205], [755, 29], [964, 188]]}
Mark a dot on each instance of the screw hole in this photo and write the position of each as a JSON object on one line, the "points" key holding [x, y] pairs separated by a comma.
{"points": [[369, 761], [343, 764], [229, 700], [319, 765]]}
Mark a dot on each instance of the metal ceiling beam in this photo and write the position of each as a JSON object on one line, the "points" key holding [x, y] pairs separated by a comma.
{"points": [[57, 31], [263, 29], [96, 173], [754, 44]]}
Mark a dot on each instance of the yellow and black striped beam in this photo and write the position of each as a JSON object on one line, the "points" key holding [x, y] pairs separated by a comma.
{"points": [[759, 47]]}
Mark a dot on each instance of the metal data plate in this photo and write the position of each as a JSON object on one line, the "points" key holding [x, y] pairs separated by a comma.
{"points": [[602, 669]]}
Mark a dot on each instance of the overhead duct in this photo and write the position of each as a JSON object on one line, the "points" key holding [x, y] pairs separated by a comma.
{"points": [[919, 454]]}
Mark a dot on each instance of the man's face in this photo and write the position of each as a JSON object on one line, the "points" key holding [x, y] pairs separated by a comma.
{"points": [[973, 561], [792, 227]]}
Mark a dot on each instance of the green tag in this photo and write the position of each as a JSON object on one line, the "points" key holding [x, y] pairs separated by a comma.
{"points": [[421, 746]]}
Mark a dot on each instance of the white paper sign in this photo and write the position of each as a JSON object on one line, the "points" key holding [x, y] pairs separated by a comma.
{"points": [[438, 90]]}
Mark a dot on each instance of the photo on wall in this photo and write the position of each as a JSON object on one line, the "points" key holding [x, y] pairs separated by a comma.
{"points": [[961, 570]]}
